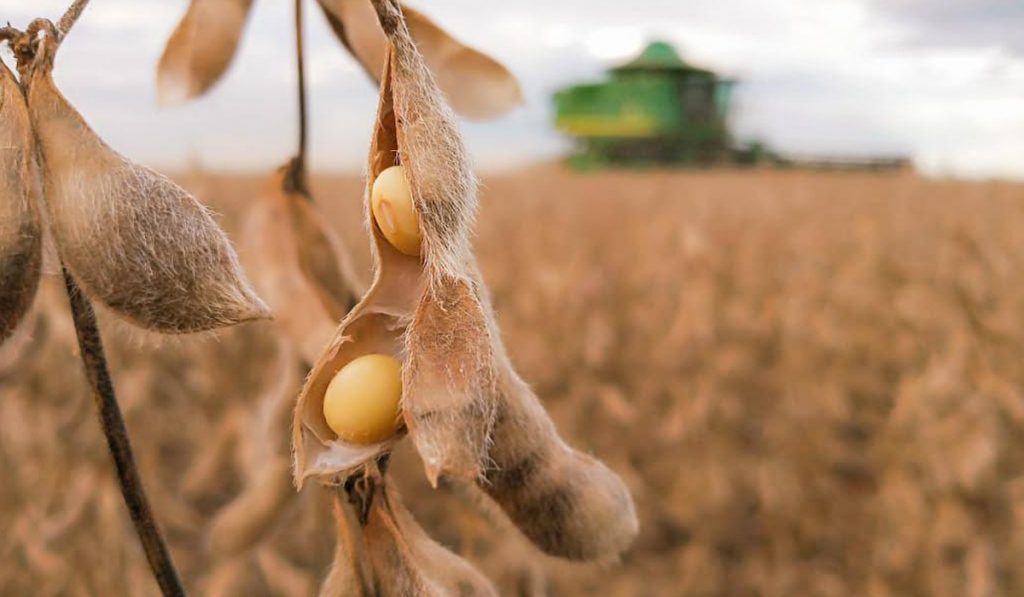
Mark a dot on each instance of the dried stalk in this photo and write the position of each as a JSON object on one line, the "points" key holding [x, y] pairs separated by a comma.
{"points": [[296, 179], [90, 345], [70, 17]]}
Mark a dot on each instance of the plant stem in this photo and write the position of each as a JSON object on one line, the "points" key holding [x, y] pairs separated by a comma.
{"points": [[112, 421], [70, 16], [299, 173]]}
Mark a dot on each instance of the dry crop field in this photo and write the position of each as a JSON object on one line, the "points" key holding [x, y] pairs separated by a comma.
{"points": [[811, 383]]}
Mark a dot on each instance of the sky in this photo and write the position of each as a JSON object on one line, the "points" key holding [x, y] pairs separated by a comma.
{"points": [[940, 81]]}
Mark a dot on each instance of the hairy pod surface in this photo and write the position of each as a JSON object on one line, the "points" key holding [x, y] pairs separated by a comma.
{"points": [[200, 50], [467, 412], [477, 86], [298, 265], [133, 239], [393, 555], [426, 306], [350, 574], [567, 503], [21, 248]]}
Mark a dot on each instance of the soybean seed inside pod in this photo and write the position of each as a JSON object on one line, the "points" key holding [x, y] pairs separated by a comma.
{"points": [[362, 402], [394, 212]]}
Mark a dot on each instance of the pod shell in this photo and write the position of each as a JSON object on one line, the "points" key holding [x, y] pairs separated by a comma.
{"points": [[133, 239], [20, 224]]}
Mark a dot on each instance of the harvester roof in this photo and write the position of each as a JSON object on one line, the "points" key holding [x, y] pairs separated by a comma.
{"points": [[658, 56]]}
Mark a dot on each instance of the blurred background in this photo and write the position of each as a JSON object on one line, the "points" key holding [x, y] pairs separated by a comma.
{"points": [[783, 303]]}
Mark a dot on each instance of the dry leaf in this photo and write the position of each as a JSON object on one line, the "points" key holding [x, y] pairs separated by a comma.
{"points": [[200, 49], [477, 86], [133, 239], [20, 228]]}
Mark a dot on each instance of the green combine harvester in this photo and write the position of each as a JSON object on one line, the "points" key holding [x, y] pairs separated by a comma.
{"points": [[658, 109]]}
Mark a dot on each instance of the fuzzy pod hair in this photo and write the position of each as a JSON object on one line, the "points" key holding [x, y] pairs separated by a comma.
{"points": [[392, 555], [200, 50], [477, 86], [466, 410], [298, 265], [21, 250], [134, 240], [425, 312], [567, 503]]}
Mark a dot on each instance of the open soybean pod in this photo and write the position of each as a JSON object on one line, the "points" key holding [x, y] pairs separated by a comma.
{"points": [[201, 48], [392, 555], [423, 310], [477, 86], [468, 413], [20, 229], [133, 239], [298, 265]]}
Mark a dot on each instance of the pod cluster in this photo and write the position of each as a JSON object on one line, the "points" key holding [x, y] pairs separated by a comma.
{"points": [[468, 413]]}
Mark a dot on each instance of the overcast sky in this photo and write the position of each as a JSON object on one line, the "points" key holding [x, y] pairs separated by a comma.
{"points": [[939, 80]]}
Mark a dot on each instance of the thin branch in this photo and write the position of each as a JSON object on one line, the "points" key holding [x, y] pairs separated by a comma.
{"points": [[298, 170], [70, 16], [112, 421]]}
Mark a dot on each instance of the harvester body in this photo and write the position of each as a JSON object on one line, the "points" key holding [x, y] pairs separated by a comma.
{"points": [[653, 109]]}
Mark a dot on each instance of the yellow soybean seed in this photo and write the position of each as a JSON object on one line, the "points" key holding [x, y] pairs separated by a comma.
{"points": [[394, 212], [361, 404]]}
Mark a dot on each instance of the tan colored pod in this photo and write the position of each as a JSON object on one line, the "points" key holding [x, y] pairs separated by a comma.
{"points": [[20, 228], [477, 86], [200, 50], [406, 561], [392, 555], [568, 504], [448, 379], [298, 265], [133, 239], [349, 574], [468, 414]]}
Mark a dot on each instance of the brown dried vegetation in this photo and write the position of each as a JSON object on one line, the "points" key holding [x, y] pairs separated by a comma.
{"points": [[810, 382]]}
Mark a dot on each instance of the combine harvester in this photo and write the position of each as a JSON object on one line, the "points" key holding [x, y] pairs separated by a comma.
{"points": [[659, 110]]}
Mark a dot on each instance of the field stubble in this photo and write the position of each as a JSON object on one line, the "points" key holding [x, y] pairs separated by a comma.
{"points": [[811, 382]]}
